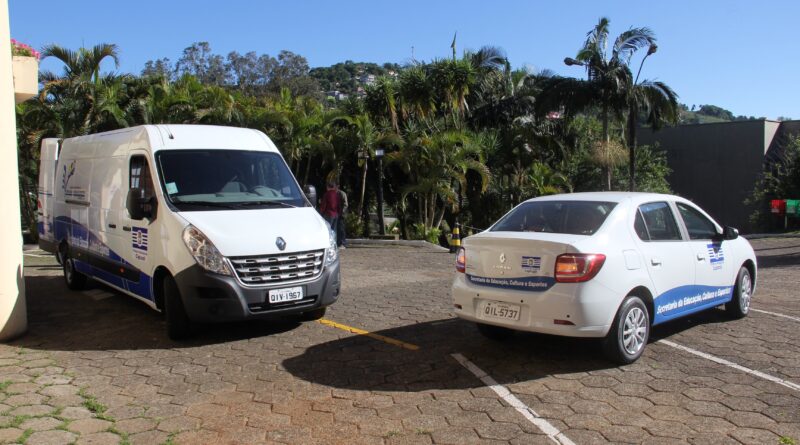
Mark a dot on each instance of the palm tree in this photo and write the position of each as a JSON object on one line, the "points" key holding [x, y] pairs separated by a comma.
{"points": [[83, 63], [609, 83], [657, 101]]}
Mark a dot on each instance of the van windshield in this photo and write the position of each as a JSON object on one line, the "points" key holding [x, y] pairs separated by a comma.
{"points": [[570, 217], [227, 179]]}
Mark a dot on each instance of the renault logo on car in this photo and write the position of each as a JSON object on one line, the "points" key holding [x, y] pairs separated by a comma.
{"points": [[280, 243]]}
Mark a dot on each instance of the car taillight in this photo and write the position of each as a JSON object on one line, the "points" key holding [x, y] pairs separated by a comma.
{"points": [[578, 267], [461, 260]]}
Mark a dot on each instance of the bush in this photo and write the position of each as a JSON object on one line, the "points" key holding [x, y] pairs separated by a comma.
{"points": [[780, 180], [353, 225], [420, 232]]}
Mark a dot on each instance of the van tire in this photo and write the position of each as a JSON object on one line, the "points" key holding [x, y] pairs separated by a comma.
{"points": [[74, 279], [739, 306], [496, 333], [313, 315], [179, 326], [633, 314]]}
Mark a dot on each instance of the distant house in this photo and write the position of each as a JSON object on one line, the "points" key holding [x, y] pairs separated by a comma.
{"points": [[717, 165], [367, 79], [335, 95]]}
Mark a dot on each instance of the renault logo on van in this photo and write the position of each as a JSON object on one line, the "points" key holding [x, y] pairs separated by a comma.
{"points": [[280, 243]]}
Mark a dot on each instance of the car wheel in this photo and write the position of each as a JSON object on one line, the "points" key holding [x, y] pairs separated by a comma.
{"points": [[493, 332], [314, 315], [179, 326], [74, 279], [739, 306], [629, 333]]}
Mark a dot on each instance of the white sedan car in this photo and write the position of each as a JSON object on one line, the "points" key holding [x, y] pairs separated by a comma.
{"points": [[601, 264]]}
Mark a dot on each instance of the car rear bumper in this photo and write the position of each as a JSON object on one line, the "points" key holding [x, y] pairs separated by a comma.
{"points": [[589, 306], [210, 298]]}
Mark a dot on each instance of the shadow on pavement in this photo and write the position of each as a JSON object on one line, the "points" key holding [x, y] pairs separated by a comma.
{"points": [[64, 320], [362, 363]]}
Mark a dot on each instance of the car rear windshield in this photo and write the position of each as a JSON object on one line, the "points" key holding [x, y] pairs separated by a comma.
{"points": [[572, 217]]}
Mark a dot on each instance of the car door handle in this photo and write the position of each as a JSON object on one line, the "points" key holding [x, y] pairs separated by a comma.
{"points": [[126, 228], [701, 257], [655, 261], [112, 226]]}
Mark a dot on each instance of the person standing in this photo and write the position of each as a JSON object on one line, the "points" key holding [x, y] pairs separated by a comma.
{"points": [[341, 230], [330, 206]]}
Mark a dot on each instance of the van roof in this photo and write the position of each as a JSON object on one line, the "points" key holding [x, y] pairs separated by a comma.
{"points": [[170, 137], [177, 137]]}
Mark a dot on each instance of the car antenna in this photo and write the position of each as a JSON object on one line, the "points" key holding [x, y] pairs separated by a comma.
{"points": [[166, 127]]}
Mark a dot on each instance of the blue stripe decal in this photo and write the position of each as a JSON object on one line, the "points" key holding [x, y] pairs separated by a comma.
{"points": [[684, 300], [535, 284], [79, 236]]}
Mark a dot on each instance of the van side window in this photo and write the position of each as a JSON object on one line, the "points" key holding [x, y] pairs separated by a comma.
{"points": [[140, 178], [659, 222], [697, 224]]}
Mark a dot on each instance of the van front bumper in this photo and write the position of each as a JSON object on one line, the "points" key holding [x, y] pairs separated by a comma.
{"points": [[210, 298]]}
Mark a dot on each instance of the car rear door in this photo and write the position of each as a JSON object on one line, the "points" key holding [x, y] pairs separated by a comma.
{"points": [[667, 256]]}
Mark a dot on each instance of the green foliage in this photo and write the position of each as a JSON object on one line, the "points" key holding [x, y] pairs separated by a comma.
{"points": [[465, 138], [420, 232], [780, 180]]}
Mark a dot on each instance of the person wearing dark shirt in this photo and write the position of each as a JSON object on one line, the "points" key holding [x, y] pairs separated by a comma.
{"points": [[330, 207]]}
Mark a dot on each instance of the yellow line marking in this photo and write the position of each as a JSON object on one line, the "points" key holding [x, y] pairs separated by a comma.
{"points": [[353, 330]]}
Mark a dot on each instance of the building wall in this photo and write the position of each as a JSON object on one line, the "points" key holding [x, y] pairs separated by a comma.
{"points": [[716, 165]]}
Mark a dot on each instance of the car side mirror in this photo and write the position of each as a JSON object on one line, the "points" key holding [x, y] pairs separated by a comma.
{"points": [[139, 205], [311, 194], [730, 233]]}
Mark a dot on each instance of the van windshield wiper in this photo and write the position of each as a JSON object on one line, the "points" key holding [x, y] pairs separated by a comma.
{"points": [[206, 203], [265, 203]]}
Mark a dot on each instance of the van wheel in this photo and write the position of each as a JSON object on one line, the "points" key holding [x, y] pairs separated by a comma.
{"points": [[314, 315], [628, 335], [496, 333], [179, 326], [739, 306], [74, 279]]}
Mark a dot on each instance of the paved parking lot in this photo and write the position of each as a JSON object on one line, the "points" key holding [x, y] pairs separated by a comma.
{"points": [[97, 367]]}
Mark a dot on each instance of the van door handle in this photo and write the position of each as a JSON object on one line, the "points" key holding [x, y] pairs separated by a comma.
{"points": [[126, 228], [655, 261], [701, 257], [112, 226]]}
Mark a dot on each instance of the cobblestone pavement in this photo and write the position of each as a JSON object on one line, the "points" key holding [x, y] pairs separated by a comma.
{"points": [[96, 367]]}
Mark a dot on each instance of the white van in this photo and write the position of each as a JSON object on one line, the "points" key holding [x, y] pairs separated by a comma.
{"points": [[205, 223]]}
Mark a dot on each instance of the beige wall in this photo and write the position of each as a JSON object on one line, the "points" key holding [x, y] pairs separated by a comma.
{"points": [[13, 317]]}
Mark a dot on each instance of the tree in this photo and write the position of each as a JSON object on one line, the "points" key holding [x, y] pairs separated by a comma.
{"points": [[609, 83], [198, 61]]}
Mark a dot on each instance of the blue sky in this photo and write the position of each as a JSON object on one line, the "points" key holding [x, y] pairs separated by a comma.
{"points": [[740, 55]]}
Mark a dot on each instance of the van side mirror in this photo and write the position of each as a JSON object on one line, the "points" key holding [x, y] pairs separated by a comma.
{"points": [[311, 194], [730, 233], [139, 205]]}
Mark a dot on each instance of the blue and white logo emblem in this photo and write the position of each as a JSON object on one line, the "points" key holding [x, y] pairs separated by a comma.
{"points": [[715, 256], [280, 243], [139, 239], [531, 264]]}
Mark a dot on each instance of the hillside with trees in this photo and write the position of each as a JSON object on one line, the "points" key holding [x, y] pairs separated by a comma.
{"points": [[466, 137]]}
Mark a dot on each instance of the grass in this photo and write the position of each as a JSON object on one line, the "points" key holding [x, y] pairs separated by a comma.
{"points": [[97, 408], [5, 384], [787, 441], [25, 435], [170, 439]]}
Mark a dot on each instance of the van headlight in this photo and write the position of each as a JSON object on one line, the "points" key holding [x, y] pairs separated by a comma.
{"points": [[204, 251], [333, 252]]}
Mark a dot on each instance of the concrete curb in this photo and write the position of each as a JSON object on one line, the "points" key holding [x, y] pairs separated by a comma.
{"points": [[384, 242], [771, 235]]}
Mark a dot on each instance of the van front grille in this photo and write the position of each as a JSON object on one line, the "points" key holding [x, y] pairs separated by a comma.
{"points": [[276, 269]]}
